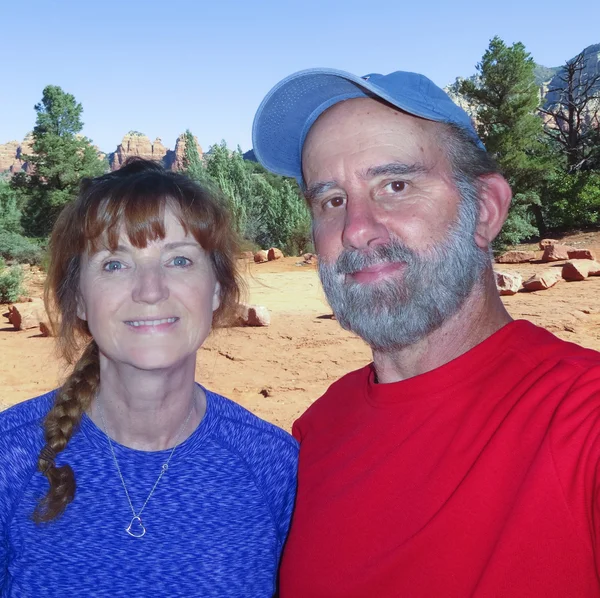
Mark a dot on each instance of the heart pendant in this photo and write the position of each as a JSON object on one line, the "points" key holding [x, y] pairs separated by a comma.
{"points": [[136, 527]]}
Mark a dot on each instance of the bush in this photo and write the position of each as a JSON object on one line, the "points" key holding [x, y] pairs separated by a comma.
{"points": [[20, 249], [248, 245], [572, 200], [10, 215], [519, 224], [11, 284], [300, 240]]}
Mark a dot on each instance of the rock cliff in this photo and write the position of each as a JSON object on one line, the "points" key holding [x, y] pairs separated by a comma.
{"points": [[11, 155], [137, 144]]}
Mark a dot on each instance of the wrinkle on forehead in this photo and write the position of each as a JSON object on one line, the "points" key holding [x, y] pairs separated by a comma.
{"points": [[386, 134]]}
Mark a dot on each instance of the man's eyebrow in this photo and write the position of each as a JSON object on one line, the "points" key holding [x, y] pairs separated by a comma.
{"points": [[395, 168], [316, 189]]}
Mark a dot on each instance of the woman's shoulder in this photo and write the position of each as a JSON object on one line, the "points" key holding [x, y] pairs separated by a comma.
{"points": [[21, 438], [244, 428], [27, 414]]}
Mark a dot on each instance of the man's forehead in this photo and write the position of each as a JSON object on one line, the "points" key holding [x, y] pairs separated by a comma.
{"points": [[382, 132], [364, 111]]}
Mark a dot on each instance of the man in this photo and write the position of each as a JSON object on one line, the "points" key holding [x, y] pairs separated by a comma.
{"points": [[463, 460]]}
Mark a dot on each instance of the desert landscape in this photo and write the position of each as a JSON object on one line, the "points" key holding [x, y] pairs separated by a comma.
{"points": [[279, 370]]}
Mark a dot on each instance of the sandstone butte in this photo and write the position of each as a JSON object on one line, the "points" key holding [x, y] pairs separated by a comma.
{"points": [[11, 155], [132, 144]]}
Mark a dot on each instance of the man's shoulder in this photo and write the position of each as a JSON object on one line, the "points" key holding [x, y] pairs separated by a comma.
{"points": [[337, 397], [539, 345]]}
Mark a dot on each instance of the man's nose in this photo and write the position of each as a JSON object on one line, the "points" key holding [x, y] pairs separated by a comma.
{"points": [[362, 227], [150, 284]]}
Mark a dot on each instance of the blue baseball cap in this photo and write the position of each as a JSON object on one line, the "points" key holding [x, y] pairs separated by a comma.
{"points": [[290, 109]]}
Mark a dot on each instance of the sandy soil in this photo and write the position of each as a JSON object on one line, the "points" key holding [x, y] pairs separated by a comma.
{"points": [[277, 371]]}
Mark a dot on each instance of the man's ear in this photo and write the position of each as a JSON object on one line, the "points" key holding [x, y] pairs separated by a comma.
{"points": [[494, 202], [217, 296]]}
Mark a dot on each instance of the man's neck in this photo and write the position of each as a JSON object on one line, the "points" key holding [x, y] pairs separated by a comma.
{"points": [[480, 316]]}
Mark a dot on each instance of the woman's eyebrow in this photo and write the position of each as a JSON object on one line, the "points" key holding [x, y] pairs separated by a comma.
{"points": [[177, 244]]}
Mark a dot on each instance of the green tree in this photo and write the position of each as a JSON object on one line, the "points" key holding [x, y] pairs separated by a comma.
{"points": [[572, 199], [59, 160], [505, 99], [267, 209], [227, 169], [10, 215], [192, 163]]}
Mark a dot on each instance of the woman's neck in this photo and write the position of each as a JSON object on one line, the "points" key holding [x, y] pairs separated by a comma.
{"points": [[146, 410]]}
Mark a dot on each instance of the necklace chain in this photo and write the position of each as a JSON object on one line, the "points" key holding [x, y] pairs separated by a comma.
{"points": [[135, 527]]}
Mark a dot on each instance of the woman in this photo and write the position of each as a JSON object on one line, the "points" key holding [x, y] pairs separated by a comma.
{"points": [[131, 479]]}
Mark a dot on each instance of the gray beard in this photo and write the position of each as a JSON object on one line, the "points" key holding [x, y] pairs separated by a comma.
{"points": [[395, 313]]}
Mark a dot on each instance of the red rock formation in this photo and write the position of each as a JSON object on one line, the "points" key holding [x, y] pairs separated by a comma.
{"points": [[556, 253], [516, 257], [274, 254], [11, 155], [508, 283], [174, 160], [135, 144], [578, 269], [543, 280]]}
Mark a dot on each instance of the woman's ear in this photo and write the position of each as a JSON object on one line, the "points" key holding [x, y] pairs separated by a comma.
{"points": [[81, 313], [217, 296], [494, 202]]}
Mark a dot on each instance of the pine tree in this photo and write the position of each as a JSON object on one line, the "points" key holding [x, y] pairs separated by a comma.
{"points": [[506, 99], [60, 158], [192, 163]]}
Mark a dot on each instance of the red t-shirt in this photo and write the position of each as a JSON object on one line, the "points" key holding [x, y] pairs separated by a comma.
{"points": [[476, 479]]}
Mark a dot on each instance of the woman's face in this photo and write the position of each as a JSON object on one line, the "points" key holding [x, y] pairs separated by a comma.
{"points": [[149, 308]]}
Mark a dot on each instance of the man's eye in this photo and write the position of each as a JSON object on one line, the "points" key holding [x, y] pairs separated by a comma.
{"points": [[112, 266], [180, 261], [396, 186], [334, 202]]}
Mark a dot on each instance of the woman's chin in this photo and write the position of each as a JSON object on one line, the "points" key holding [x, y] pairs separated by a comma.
{"points": [[153, 359]]}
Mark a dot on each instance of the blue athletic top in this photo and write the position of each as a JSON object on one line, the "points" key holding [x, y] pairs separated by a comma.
{"points": [[216, 522]]}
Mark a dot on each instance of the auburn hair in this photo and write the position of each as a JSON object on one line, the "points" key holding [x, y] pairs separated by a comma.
{"points": [[133, 200]]}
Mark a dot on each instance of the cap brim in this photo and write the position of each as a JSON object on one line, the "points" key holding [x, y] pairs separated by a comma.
{"points": [[285, 116]]}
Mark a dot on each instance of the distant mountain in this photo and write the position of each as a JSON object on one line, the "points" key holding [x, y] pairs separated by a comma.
{"points": [[591, 68], [249, 155], [543, 74], [132, 144]]}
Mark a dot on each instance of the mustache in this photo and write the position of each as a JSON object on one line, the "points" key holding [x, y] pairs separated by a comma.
{"points": [[354, 260]]}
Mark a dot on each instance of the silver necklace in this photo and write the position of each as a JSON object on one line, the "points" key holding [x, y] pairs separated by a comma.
{"points": [[136, 527]]}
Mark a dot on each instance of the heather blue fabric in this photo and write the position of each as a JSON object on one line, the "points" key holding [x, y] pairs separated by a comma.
{"points": [[216, 523]]}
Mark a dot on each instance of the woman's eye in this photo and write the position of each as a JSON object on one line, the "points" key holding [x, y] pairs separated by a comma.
{"points": [[180, 261], [112, 266], [396, 186]]}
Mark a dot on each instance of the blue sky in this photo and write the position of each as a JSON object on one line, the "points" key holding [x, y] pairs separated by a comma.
{"points": [[162, 67]]}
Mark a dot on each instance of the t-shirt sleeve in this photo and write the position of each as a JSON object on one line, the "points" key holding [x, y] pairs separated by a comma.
{"points": [[575, 447], [15, 469], [280, 482], [297, 430]]}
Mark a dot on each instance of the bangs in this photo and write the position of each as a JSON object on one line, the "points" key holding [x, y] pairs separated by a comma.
{"points": [[137, 208]]}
